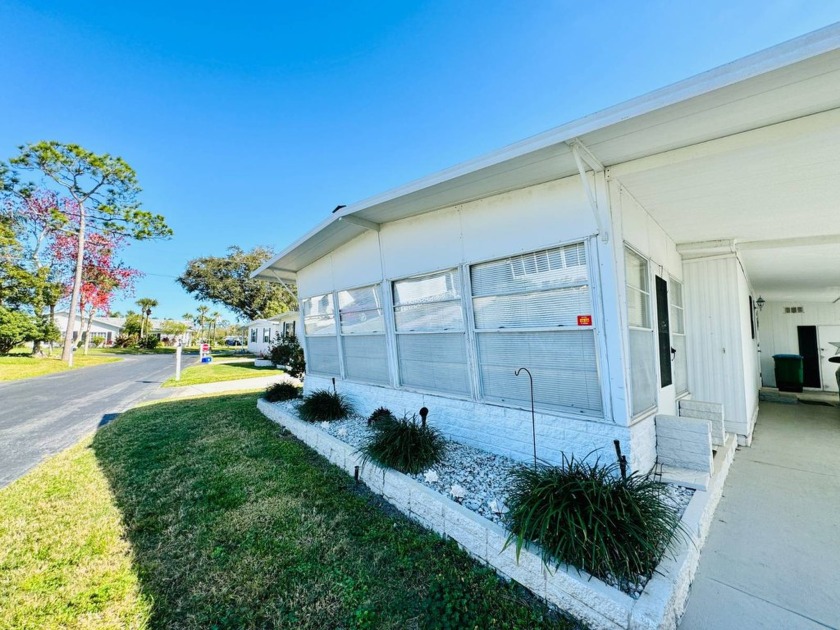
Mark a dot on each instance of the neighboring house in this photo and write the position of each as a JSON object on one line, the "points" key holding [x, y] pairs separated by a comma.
{"points": [[107, 329], [618, 258], [260, 334]]}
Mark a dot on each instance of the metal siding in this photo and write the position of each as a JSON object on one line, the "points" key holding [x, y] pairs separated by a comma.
{"points": [[777, 330], [714, 337]]}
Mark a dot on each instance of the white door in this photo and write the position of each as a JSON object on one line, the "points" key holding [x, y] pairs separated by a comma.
{"points": [[828, 336]]}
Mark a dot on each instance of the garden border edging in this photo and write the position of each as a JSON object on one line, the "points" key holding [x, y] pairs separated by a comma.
{"points": [[587, 598]]}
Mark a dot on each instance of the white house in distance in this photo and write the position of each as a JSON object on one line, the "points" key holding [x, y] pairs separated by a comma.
{"points": [[262, 333], [107, 329], [619, 258]]}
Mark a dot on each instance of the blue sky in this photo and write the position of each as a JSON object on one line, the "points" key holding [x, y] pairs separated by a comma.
{"points": [[248, 123]]}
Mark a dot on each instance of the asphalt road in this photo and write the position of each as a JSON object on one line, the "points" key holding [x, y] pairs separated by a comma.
{"points": [[44, 415]]}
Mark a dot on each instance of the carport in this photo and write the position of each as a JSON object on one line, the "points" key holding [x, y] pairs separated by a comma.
{"points": [[753, 205]]}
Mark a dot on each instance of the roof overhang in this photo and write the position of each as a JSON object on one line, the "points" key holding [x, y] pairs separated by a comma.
{"points": [[793, 80]]}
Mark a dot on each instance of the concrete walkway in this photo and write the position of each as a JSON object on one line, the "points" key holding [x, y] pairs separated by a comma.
{"points": [[772, 559], [239, 385]]}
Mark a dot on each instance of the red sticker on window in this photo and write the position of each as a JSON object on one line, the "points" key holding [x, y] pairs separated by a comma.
{"points": [[584, 320]]}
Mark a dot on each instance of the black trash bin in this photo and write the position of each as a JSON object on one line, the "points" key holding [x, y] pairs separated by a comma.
{"points": [[789, 372]]}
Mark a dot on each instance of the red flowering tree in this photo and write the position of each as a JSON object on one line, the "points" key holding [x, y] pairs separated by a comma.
{"points": [[103, 277], [104, 190]]}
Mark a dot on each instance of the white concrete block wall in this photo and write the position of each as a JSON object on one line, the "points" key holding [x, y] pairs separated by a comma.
{"points": [[684, 442], [502, 430], [642, 455], [587, 598], [713, 412]]}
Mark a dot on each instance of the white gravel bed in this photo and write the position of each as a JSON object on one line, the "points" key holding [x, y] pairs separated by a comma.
{"points": [[474, 478]]}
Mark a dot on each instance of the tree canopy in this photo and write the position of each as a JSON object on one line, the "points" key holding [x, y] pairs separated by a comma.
{"points": [[226, 280], [102, 200]]}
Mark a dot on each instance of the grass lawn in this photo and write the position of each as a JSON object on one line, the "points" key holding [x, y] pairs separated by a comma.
{"points": [[19, 366], [230, 370], [230, 523]]}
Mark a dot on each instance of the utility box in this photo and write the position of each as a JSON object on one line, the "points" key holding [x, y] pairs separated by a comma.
{"points": [[790, 373]]}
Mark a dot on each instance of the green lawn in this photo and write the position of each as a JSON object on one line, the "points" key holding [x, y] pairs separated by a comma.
{"points": [[217, 518], [216, 371], [64, 562], [19, 366]]}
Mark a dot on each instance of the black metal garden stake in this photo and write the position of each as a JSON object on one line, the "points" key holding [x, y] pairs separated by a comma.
{"points": [[335, 391], [622, 459], [423, 413], [533, 417]]}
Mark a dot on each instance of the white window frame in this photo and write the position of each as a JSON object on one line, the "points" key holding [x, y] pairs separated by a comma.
{"points": [[378, 287], [672, 280], [650, 329], [473, 331], [332, 297], [393, 334]]}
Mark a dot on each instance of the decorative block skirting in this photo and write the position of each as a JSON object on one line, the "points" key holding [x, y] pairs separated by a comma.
{"points": [[713, 412], [587, 598]]}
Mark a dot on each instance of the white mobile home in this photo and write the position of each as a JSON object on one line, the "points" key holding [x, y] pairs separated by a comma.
{"points": [[618, 258], [262, 333]]}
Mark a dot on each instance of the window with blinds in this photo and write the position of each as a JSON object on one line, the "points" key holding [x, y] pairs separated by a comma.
{"points": [[641, 335], [320, 331], [675, 295], [526, 312], [363, 335], [430, 332]]}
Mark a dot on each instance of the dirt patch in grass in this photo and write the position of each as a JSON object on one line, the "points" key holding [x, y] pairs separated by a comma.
{"points": [[236, 524]]}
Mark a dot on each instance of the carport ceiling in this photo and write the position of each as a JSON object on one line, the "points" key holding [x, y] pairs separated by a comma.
{"points": [[774, 189]]}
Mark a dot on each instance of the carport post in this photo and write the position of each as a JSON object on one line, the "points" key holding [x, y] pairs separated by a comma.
{"points": [[178, 362]]}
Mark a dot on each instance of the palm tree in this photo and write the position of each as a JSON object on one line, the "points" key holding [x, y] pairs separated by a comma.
{"points": [[202, 315], [216, 315], [146, 305]]}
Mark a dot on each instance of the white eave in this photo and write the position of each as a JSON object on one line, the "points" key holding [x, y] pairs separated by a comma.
{"points": [[788, 81]]}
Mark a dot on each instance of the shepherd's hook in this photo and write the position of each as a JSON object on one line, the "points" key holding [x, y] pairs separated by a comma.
{"points": [[533, 419]]}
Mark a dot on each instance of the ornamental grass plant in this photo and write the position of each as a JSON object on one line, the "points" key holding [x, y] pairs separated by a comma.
{"points": [[588, 516], [281, 391], [403, 444], [324, 405]]}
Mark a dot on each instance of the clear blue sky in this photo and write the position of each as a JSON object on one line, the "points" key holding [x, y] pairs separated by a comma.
{"points": [[248, 123]]}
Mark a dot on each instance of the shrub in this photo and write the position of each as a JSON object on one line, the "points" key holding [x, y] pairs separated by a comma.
{"points": [[323, 404], [125, 341], [281, 391], [381, 413], [404, 445], [587, 516], [287, 352], [149, 342]]}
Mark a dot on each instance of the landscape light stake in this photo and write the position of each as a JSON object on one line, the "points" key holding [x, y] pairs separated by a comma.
{"points": [[356, 475], [335, 391], [533, 417], [622, 459], [423, 413]]}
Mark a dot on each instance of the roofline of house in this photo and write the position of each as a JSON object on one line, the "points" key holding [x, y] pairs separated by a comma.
{"points": [[793, 51]]}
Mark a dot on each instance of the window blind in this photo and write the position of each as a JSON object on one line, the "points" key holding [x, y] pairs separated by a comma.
{"points": [[543, 292], [320, 331], [678, 337], [431, 337], [642, 357], [363, 334]]}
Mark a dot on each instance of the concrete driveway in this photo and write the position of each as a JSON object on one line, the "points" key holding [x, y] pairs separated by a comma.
{"points": [[42, 416], [772, 559]]}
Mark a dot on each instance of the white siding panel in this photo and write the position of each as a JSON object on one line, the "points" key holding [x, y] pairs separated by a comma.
{"points": [[317, 278], [714, 337], [525, 220], [357, 262], [777, 330], [421, 244]]}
